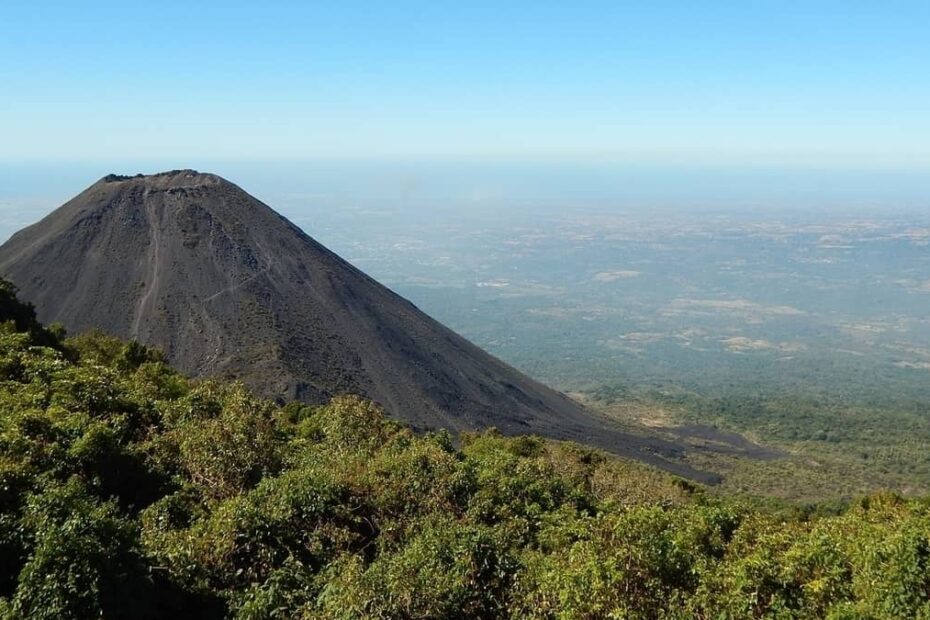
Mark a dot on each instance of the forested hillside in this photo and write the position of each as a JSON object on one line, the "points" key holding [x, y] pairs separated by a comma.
{"points": [[127, 491]]}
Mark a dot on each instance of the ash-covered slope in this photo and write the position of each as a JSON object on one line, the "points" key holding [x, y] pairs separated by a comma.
{"points": [[192, 264]]}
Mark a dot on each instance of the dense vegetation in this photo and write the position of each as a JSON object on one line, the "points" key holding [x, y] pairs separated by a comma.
{"points": [[128, 491], [835, 448]]}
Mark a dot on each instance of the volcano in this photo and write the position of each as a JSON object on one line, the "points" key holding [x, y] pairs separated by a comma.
{"points": [[226, 287]]}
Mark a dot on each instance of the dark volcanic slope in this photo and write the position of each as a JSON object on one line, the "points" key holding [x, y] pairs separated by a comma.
{"points": [[192, 264]]}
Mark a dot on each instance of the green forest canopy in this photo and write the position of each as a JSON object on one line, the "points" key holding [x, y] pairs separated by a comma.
{"points": [[128, 491]]}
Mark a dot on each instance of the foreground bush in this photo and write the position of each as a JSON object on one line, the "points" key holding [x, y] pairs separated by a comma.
{"points": [[127, 491]]}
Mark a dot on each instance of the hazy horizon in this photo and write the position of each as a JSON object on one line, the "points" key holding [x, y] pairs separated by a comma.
{"points": [[463, 189], [593, 106]]}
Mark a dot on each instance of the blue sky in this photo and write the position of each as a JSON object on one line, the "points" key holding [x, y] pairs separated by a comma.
{"points": [[811, 84]]}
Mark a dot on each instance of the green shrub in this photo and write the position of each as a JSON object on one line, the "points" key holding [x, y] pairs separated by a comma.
{"points": [[127, 491]]}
